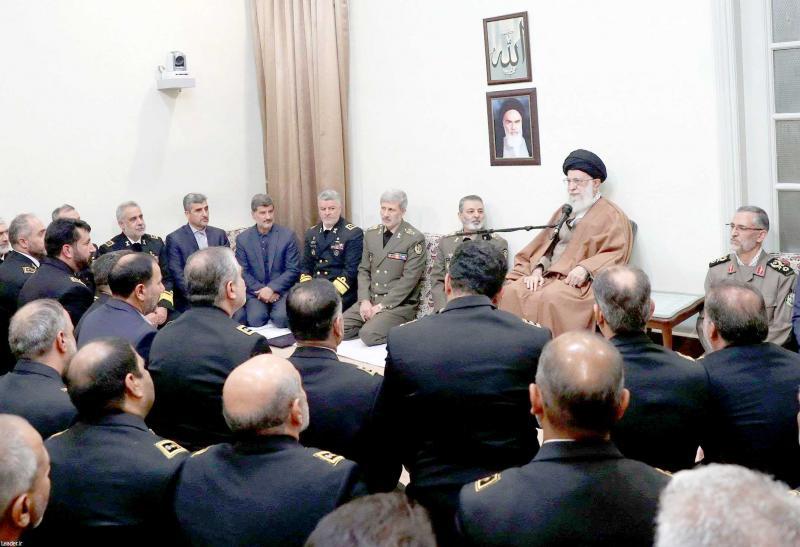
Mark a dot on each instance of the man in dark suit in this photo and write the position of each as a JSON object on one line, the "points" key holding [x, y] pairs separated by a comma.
{"points": [[669, 393], [112, 477], [342, 396], [191, 356], [196, 234], [26, 234], [270, 265], [101, 269], [459, 411], [579, 489], [135, 282], [332, 249], [134, 238], [41, 337], [271, 490], [753, 386], [69, 249]]}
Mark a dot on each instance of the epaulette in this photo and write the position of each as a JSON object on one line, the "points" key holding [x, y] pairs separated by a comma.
{"points": [[780, 267], [28, 270], [350, 226], [304, 277], [76, 280], [486, 482], [667, 473], [54, 435], [410, 232], [531, 323], [170, 449], [685, 356], [245, 330], [109, 243], [312, 227], [329, 457], [201, 451], [376, 227], [154, 238], [720, 260]]}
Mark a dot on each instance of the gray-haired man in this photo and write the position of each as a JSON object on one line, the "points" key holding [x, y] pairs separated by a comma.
{"points": [[332, 249], [392, 264]]}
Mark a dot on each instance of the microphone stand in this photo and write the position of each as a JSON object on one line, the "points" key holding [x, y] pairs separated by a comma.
{"points": [[493, 230]]}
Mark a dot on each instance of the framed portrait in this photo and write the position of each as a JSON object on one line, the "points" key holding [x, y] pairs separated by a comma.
{"points": [[508, 49], [513, 127]]}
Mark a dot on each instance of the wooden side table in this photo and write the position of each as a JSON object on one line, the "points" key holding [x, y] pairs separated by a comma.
{"points": [[673, 308]]}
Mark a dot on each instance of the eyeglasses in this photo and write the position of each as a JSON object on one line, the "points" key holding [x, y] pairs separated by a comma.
{"points": [[579, 182], [740, 228]]}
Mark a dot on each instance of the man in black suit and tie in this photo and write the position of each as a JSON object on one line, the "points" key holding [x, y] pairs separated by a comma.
{"points": [[455, 387], [579, 489], [135, 282], [669, 393], [26, 234], [341, 396], [752, 419], [196, 234]]}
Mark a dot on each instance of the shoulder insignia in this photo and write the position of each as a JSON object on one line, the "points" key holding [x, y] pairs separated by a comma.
{"points": [[170, 449], [199, 452], [54, 435], [486, 482], [779, 267], [376, 227], [28, 270], [532, 323], [667, 473], [76, 280], [154, 238], [410, 232], [719, 260], [795, 493], [109, 243], [418, 248], [685, 356], [304, 277], [365, 369], [311, 227], [329, 457], [245, 330], [350, 226]]}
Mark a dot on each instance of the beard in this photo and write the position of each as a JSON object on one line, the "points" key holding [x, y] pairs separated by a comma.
{"points": [[743, 246], [473, 225], [582, 201], [5, 248]]}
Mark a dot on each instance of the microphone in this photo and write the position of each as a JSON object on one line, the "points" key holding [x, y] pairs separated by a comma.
{"points": [[566, 210]]}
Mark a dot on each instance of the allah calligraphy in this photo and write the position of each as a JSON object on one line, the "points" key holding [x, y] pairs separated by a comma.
{"points": [[508, 49]]}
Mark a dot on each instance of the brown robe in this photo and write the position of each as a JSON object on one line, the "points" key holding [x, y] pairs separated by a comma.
{"points": [[602, 238]]}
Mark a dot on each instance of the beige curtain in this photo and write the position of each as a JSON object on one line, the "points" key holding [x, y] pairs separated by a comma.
{"points": [[303, 62]]}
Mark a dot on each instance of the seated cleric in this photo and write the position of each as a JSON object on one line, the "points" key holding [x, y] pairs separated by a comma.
{"points": [[550, 282]]}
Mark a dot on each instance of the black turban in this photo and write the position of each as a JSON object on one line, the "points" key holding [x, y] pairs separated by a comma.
{"points": [[586, 161]]}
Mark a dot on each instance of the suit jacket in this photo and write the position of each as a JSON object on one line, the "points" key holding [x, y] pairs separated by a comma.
{"points": [[669, 400], [284, 260], [271, 490], [14, 272], [54, 279], [342, 400], [37, 393], [753, 413], [118, 318], [460, 411], [99, 300], [189, 361], [572, 493], [335, 258], [180, 245]]}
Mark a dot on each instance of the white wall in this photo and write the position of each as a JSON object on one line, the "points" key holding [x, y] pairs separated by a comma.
{"points": [[82, 122], [629, 80]]}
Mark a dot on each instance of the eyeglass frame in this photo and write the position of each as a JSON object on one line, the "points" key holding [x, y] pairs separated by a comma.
{"points": [[731, 226], [579, 182]]}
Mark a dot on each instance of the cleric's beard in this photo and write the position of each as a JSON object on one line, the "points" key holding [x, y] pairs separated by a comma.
{"points": [[514, 140], [583, 201]]}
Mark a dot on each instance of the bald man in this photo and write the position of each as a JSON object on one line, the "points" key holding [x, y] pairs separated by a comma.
{"points": [[112, 476], [24, 478], [265, 483], [579, 489]]}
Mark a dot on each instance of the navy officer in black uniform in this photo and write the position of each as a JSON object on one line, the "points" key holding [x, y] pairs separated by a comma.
{"points": [[41, 337], [332, 249], [263, 488], [460, 410], [342, 396], [669, 392], [753, 386], [112, 477], [69, 250], [579, 489], [191, 356], [134, 238]]}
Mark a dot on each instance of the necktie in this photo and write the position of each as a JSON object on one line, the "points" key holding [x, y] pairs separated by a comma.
{"points": [[202, 240]]}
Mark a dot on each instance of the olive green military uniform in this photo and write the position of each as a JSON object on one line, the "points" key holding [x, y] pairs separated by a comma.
{"points": [[773, 277], [441, 264], [390, 276]]}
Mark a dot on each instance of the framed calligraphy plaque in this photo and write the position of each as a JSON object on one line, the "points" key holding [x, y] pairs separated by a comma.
{"points": [[508, 49], [513, 127]]}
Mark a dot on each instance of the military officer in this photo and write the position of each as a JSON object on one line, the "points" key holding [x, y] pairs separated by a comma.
{"points": [[389, 274], [191, 356], [333, 248], [472, 217], [134, 238], [750, 263], [69, 249], [5, 246]]}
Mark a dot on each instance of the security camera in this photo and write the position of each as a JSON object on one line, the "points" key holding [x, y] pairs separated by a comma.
{"points": [[177, 61], [175, 75]]}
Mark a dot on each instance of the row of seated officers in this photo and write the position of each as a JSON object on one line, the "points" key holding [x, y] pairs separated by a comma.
{"points": [[276, 445]]}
